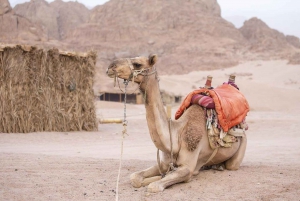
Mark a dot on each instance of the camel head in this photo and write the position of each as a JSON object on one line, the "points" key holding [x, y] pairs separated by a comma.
{"points": [[132, 68]]}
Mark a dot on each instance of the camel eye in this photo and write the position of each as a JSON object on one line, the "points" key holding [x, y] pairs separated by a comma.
{"points": [[137, 65]]}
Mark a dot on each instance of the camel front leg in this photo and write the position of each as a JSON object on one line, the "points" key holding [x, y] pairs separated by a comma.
{"points": [[147, 176], [181, 174]]}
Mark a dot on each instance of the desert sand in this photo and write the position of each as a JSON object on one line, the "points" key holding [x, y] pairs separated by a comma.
{"points": [[84, 165]]}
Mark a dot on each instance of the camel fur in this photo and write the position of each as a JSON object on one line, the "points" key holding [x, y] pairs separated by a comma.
{"points": [[190, 145]]}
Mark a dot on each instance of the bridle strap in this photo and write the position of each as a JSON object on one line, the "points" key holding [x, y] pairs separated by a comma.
{"points": [[130, 64], [134, 73]]}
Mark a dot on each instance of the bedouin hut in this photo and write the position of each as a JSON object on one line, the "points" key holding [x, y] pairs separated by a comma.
{"points": [[46, 90]]}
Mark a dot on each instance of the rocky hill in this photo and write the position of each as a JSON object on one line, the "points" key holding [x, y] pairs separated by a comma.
{"points": [[4, 7], [187, 35], [57, 18], [16, 28], [70, 16], [293, 40], [39, 12], [263, 39]]}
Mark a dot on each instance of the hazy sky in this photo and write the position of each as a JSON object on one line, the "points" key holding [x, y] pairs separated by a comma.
{"points": [[283, 15]]}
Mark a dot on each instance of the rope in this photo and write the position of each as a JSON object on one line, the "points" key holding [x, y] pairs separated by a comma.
{"points": [[171, 141], [171, 164], [122, 141], [212, 155], [134, 74], [158, 164]]}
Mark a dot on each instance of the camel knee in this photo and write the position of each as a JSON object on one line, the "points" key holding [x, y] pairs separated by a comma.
{"points": [[196, 172], [181, 174], [184, 174], [136, 179], [144, 177], [232, 165]]}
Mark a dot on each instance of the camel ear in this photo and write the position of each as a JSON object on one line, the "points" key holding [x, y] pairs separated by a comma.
{"points": [[152, 59]]}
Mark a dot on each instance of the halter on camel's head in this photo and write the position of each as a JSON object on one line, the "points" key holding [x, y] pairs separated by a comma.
{"points": [[134, 69]]}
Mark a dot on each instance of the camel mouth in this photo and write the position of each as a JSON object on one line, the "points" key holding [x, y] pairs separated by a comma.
{"points": [[110, 73]]}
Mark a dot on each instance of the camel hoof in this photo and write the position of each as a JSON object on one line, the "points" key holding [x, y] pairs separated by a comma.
{"points": [[136, 180], [155, 187]]}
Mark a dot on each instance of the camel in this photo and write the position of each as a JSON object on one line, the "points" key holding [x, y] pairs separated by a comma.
{"points": [[174, 138]]}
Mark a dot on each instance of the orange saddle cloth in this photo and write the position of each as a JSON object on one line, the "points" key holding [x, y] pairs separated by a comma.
{"points": [[230, 105]]}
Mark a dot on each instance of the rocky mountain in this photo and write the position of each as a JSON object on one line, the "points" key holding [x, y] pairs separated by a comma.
{"points": [[16, 28], [57, 18], [4, 7], [293, 40], [39, 12], [187, 35], [70, 16], [263, 39]]}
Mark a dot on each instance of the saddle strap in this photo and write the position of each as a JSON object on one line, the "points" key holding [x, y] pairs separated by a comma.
{"points": [[212, 155]]}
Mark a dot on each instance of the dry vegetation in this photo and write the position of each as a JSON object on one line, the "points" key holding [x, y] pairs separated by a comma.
{"points": [[46, 90]]}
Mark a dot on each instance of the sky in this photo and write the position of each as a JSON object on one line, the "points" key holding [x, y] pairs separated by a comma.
{"points": [[282, 15]]}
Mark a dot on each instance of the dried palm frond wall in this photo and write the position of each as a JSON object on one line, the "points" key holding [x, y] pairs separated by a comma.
{"points": [[46, 90]]}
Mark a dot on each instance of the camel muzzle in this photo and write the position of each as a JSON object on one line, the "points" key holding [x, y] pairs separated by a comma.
{"points": [[110, 73]]}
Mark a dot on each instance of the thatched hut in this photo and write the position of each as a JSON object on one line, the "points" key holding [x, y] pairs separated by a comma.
{"points": [[46, 90]]}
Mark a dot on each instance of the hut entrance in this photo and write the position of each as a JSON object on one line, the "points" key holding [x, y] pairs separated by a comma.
{"points": [[115, 97]]}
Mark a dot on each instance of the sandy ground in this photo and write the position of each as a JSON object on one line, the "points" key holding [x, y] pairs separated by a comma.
{"points": [[84, 165]]}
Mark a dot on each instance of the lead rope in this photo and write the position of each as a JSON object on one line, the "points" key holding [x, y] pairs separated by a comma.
{"points": [[171, 141], [171, 164], [122, 141]]}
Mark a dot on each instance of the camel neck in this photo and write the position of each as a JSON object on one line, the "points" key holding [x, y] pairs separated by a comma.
{"points": [[155, 113]]}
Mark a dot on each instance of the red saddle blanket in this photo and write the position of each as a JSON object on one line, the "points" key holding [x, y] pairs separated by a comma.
{"points": [[230, 105]]}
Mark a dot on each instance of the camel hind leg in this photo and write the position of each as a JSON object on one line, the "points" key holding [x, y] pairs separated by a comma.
{"points": [[235, 161]]}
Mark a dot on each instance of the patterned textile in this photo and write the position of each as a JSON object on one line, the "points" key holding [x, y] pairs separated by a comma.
{"points": [[216, 136], [203, 100]]}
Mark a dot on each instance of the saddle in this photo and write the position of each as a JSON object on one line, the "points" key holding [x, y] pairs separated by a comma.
{"points": [[230, 105]]}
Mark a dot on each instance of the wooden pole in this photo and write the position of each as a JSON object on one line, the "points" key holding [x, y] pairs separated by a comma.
{"points": [[110, 121]]}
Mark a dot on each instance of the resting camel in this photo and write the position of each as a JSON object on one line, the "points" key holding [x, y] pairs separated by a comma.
{"points": [[172, 137]]}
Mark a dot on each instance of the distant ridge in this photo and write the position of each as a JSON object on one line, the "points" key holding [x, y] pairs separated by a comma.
{"points": [[186, 35]]}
